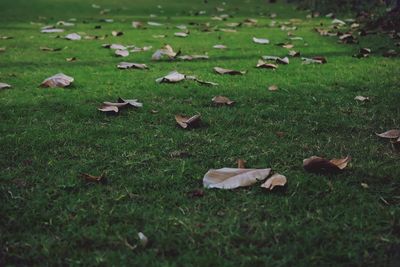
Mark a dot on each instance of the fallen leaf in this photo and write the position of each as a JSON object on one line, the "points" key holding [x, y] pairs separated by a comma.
{"points": [[228, 71], [196, 193], [231, 178], [2, 49], [53, 30], [222, 100], [390, 53], [320, 165], [193, 57], [117, 33], [391, 134], [129, 65], [181, 34], [121, 53], [143, 239], [275, 180], [137, 24], [49, 49], [241, 163], [141, 49], [108, 109], [361, 98], [220, 47], [338, 22], [315, 60], [293, 53], [263, 64], [71, 59], [273, 88], [123, 103], [260, 40], [2, 37], [4, 86], [93, 179], [188, 122], [278, 60], [156, 24], [58, 80], [167, 50], [205, 82], [172, 77], [364, 185], [73, 37]]}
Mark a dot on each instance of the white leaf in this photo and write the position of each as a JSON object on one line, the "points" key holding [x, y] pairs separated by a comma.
{"points": [[231, 178]]}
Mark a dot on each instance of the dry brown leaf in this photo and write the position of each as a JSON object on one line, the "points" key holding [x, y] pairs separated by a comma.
{"points": [[231, 178], [391, 134], [93, 179], [275, 180], [205, 82], [320, 165], [222, 100], [4, 86], [228, 71], [2, 49], [241, 163], [58, 80], [121, 53], [188, 122], [129, 65]]}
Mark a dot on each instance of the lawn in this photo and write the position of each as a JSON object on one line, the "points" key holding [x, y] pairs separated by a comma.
{"points": [[50, 216]]}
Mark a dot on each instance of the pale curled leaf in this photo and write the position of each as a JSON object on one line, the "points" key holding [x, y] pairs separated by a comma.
{"points": [[121, 53], [172, 77], [391, 134], [73, 37], [4, 86], [361, 98], [222, 100], [188, 122], [130, 65], [231, 178], [109, 109], [263, 64], [58, 80], [167, 51], [143, 239], [260, 40], [275, 180]]}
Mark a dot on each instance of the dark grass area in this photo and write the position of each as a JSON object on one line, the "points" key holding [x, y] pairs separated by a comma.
{"points": [[49, 216]]}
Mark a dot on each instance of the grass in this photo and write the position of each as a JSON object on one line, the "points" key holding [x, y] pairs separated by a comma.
{"points": [[49, 216]]}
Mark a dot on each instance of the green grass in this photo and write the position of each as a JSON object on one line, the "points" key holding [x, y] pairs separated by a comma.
{"points": [[49, 216]]}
